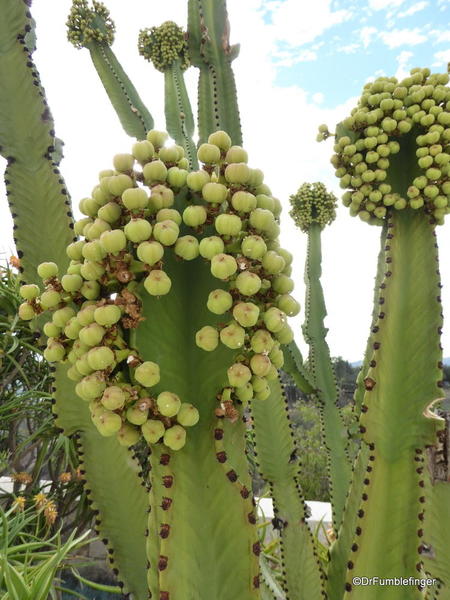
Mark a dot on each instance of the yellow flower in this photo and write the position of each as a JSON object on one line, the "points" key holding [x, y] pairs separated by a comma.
{"points": [[40, 500], [50, 512], [19, 503], [65, 477], [22, 477]]}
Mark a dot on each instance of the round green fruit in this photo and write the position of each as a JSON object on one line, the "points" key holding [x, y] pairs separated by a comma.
{"points": [[239, 375], [166, 232], [211, 246], [91, 335], [26, 312], [113, 398], [143, 151], [282, 284], [94, 251], [262, 219], [237, 173], [157, 138], [162, 197], [71, 283], [285, 335], [62, 315], [168, 404], [208, 153], [227, 224], [157, 283], [207, 338], [47, 270], [233, 336], [273, 263], [188, 415], [261, 341], [135, 199], [154, 171], [123, 162], [236, 154], [128, 435], [196, 180], [108, 423], [274, 319], [72, 328], [219, 302], [150, 252], [136, 416], [51, 330], [153, 431], [223, 266], [29, 292], [243, 201], [100, 358], [248, 283], [107, 315], [147, 374], [253, 246], [246, 314], [117, 184], [175, 437], [91, 387], [187, 247], [221, 139], [288, 305], [244, 393], [50, 299], [215, 193], [194, 215], [260, 364], [138, 230], [54, 351], [86, 315], [91, 270], [168, 214]]}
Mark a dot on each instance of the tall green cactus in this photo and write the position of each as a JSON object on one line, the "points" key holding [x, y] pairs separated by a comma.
{"points": [[169, 314]]}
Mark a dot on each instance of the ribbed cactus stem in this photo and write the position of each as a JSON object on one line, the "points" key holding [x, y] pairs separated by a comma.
{"points": [[396, 422], [321, 368], [210, 51]]}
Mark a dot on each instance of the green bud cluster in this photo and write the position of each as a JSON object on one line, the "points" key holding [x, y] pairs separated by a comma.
{"points": [[86, 25], [313, 204], [164, 45], [397, 128], [225, 215]]}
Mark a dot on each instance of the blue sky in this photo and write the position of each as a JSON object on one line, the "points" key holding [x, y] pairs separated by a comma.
{"points": [[360, 39]]}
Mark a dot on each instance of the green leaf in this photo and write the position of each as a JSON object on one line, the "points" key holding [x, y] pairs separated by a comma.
{"points": [[15, 583]]}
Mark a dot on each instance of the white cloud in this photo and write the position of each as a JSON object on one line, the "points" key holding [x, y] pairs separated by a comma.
{"points": [[290, 58], [349, 49], [418, 6], [402, 37], [402, 64], [439, 36], [384, 4], [299, 23], [366, 35], [441, 58]]}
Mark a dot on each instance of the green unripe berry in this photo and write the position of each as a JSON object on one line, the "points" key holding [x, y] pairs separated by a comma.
{"points": [[91, 270], [188, 415], [253, 246], [239, 375], [73, 374], [168, 404], [72, 329], [168, 214], [51, 330], [110, 212], [71, 283], [207, 338], [128, 435], [416, 203], [440, 202], [233, 336], [89, 207], [223, 266], [216, 193], [282, 284], [123, 162], [94, 251], [80, 225], [273, 263], [285, 335], [187, 247], [157, 283], [152, 430], [94, 231], [113, 398], [143, 151], [62, 315], [50, 299], [107, 315], [150, 252], [92, 334], [266, 202], [29, 292], [176, 177], [166, 232], [26, 312], [194, 215], [135, 199], [260, 364], [221, 139], [47, 270], [169, 154], [288, 305], [73, 250], [113, 241], [162, 197], [157, 138], [248, 283], [100, 358], [261, 341], [137, 415], [219, 302], [208, 153], [118, 184], [431, 191], [237, 173], [83, 366], [197, 180], [259, 384], [244, 201], [147, 374], [154, 171], [246, 314], [227, 224], [236, 154], [108, 423], [211, 246], [433, 174], [245, 393], [175, 437], [261, 396], [91, 387], [261, 219], [274, 319], [138, 230]]}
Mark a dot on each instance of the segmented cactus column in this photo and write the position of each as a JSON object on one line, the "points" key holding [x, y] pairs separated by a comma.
{"points": [[141, 316], [166, 47], [392, 153], [93, 28], [312, 209]]}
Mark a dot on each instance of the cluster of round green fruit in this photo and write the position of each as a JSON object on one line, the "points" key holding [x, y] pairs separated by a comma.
{"points": [[313, 204], [86, 24], [224, 214], [398, 128], [164, 45], [245, 253]]}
